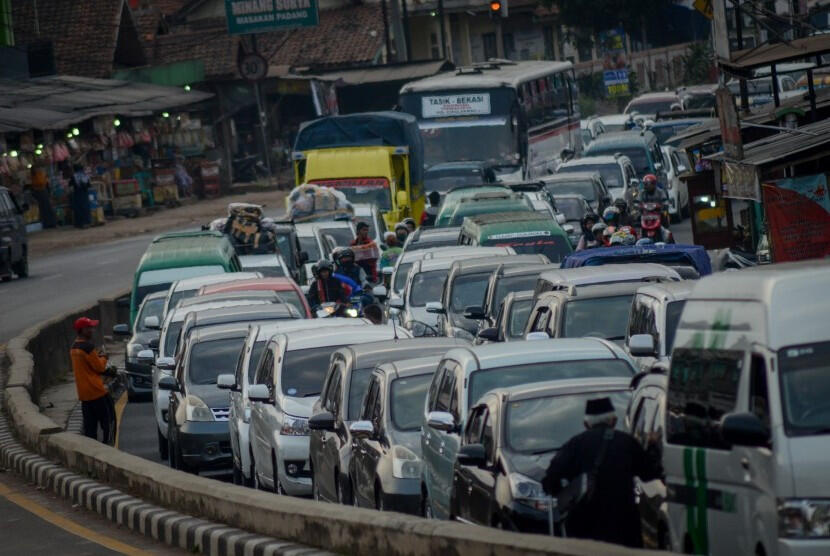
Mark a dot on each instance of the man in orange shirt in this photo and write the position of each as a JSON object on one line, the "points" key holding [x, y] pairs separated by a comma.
{"points": [[89, 365]]}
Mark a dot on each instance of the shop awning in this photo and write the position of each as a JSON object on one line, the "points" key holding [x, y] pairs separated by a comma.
{"points": [[380, 74], [744, 61], [784, 145], [57, 102]]}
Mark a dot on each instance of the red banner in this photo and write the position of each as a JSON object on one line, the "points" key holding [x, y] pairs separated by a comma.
{"points": [[798, 218]]}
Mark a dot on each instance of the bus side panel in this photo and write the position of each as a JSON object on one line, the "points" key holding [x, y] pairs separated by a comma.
{"points": [[545, 144]]}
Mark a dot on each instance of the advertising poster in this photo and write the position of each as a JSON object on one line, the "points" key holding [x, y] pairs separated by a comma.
{"points": [[798, 215]]}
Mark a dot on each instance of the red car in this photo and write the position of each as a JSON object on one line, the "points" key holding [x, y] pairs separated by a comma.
{"points": [[284, 286]]}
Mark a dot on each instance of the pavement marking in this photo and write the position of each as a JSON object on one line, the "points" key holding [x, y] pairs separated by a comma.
{"points": [[119, 410], [67, 524]]}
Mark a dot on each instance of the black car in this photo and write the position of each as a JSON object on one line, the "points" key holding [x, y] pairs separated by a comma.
{"points": [[198, 435], [330, 445], [511, 320], [510, 437], [386, 462], [146, 329], [588, 184], [14, 247]]}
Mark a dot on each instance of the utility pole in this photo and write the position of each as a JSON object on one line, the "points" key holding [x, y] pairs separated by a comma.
{"points": [[406, 37], [739, 33], [443, 29]]}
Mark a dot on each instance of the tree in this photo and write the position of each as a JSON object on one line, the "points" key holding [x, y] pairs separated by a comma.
{"points": [[697, 63], [600, 15]]}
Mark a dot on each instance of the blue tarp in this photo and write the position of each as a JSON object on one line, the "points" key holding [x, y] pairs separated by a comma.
{"points": [[669, 254]]}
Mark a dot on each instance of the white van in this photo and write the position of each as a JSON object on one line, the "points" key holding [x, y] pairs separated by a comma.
{"points": [[747, 443]]}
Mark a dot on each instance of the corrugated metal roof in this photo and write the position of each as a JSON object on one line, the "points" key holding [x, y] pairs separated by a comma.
{"points": [[781, 52], [783, 145], [380, 74], [57, 102]]}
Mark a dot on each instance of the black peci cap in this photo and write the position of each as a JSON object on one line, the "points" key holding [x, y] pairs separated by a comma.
{"points": [[599, 406]]}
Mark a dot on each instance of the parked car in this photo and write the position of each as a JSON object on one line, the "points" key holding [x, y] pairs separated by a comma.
{"points": [[652, 324], [238, 383], [340, 403], [147, 328], [286, 288], [464, 291], [617, 172], [288, 382], [447, 175], [510, 437], [511, 319], [428, 238], [465, 374], [649, 104], [14, 253], [592, 311], [588, 184], [527, 234], [385, 468], [269, 265], [197, 426], [189, 287]]}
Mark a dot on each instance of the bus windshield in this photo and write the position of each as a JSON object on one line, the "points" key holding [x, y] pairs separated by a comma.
{"points": [[490, 140], [369, 191]]}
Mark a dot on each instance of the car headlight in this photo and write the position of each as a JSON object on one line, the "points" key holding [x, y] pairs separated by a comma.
{"points": [[805, 518], [196, 410], [351, 312], [528, 491], [294, 426], [405, 464]]}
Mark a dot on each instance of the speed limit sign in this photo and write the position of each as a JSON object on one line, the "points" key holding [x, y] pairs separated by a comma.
{"points": [[253, 67]]}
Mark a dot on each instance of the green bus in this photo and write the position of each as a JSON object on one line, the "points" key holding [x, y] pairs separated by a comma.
{"points": [[525, 232], [179, 255]]}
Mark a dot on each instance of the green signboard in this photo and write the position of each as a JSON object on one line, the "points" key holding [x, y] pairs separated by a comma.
{"points": [[257, 16]]}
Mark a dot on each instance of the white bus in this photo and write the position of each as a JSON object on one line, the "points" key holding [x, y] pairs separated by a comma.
{"points": [[514, 116]]}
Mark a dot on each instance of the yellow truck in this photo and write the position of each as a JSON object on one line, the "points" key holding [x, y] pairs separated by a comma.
{"points": [[372, 158]]}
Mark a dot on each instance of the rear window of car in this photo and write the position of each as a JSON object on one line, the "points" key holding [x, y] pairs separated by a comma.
{"points": [[303, 370], [407, 401]]}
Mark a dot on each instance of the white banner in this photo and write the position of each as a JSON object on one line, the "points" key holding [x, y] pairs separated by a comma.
{"points": [[468, 104]]}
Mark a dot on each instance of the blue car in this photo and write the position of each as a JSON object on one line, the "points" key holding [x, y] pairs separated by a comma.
{"points": [[673, 255]]}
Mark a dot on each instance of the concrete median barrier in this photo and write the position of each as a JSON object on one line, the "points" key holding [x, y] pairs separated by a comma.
{"points": [[40, 355]]}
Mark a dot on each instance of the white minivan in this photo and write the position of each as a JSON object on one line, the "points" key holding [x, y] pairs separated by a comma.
{"points": [[747, 442]]}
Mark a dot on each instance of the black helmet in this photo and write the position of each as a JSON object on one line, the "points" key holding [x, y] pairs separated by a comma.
{"points": [[589, 216], [620, 203], [344, 252], [323, 264]]}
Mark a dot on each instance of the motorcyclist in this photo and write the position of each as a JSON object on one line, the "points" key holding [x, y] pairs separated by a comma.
{"points": [[410, 224], [611, 216], [651, 192], [325, 288], [598, 230], [622, 237], [345, 265], [401, 232], [625, 216], [587, 238]]}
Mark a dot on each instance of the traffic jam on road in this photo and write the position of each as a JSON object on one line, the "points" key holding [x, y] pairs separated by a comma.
{"points": [[439, 346]]}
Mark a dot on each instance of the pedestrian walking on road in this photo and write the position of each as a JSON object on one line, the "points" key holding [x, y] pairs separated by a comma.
{"points": [[610, 459], [89, 366]]}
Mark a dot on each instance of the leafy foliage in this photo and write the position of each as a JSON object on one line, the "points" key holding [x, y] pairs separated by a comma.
{"points": [[697, 63], [599, 15]]}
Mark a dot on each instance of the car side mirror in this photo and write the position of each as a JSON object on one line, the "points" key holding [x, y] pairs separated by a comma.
{"points": [[488, 334], [531, 336], [388, 270], [303, 257], [396, 302], [472, 455], [474, 312], [380, 292], [633, 182], [168, 383], [362, 429], [435, 308], [151, 322], [641, 345], [568, 229], [154, 344], [561, 219], [321, 422], [227, 382], [146, 357], [441, 421], [166, 363], [744, 429], [259, 393], [121, 330]]}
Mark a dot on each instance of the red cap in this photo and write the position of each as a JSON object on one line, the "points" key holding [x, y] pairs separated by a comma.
{"points": [[84, 322]]}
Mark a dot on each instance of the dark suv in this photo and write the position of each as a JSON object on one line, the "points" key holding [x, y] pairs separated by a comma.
{"points": [[14, 253]]}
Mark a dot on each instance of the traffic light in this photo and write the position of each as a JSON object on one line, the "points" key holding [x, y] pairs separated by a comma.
{"points": [[498, 8]]}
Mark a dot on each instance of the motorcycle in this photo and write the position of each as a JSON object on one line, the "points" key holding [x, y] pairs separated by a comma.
{"points": [[333, 309], [651, 223]]}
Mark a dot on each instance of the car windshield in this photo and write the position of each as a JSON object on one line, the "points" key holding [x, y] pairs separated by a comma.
{"points": [[426, 287], [573, 209], [303, 370], [285, 248], [212, 358], [490, 140], [170, 275], [406, 403], [152, 308], [270, 271], [611, 173], [483, 381], [468, 290], [358, 385], [177, 296], [519, 312], [673, 311], [445, 179], [540, 425], [555, 248], [400, 276], [805, 388], [600, 317], [652, 107], [253, 362], [308, 244], [581, 187], [637, 155], [511, 284], [171, 340], [342, 236]]}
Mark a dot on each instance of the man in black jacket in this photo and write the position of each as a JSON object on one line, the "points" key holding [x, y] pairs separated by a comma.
{"points": [[608, 512], [325, 288]]}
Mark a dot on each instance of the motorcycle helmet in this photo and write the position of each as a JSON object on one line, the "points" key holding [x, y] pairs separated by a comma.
{"points": [[621, 205], [410, 224], [611, 215], [343, 253], [623, 237], [589, 217], [599, 228], [324, 264], [650, 178]]}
